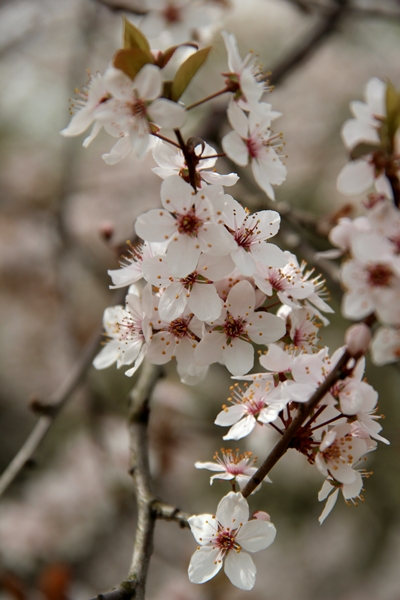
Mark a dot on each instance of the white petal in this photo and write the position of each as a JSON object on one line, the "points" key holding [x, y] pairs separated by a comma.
{"points": [[238, 357], [118, 151], [240, 570], [266, 328], [230, 415], [203, 527], [241, 299], [204, 564], [155, 225], [148, 82], [204, 302], [235, 148], [209, 349], [167, 113], [107, 355], [182, 255], [355, 177], [241, 429], [330, 503], [256, 535], [233, 510], [173, 302]]}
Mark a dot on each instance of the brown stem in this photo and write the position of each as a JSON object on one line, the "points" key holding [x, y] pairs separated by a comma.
{"points": [[339, 371], [165, 139], [188, 159], [395, 185], [207, 98]]}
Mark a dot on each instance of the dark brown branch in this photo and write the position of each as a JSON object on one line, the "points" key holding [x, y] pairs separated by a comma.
{"points": [[122, 6], [298, 55], [338, 372]]}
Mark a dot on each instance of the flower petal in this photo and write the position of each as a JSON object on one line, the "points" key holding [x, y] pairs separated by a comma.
{"points": [[240, 570]]}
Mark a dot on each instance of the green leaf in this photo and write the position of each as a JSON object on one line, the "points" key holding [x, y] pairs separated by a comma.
{"points": [[187, 71], [130, 61], [134, 38], [167, 90], [362, 149], [393, 111]]}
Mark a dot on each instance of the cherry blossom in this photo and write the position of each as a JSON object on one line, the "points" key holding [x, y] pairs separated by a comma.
{"points": [[252, 142], [260, 402], [131, 270], [245, 77], [250, 233], [225, 539], [228, 339], [187, 222], [195, 291], [338, 452], [125, 329], [172, 162], [385, 346], [134, 106], [330, 489], [89, 100], [231, 466]]}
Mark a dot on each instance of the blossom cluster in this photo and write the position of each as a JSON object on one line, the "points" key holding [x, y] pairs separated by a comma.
{"points": [[206, 284], [370, 273]]}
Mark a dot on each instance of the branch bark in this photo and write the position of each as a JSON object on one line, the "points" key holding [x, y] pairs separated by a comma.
{"points": [[338, 372]]}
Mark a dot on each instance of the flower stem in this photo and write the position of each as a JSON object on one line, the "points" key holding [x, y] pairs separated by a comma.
{"points": [[165, 139], [207, 98]]}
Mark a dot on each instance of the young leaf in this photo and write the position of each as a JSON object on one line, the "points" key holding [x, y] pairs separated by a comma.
{"points": [[130, 61], [164, 57], [393, 110], [187, 71], [134, 38]]}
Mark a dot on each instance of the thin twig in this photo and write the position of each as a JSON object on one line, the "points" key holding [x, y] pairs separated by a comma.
{"points": [[338, 372]]}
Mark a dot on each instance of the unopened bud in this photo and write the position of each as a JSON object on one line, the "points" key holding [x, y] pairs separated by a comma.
{"points": [[358, 339], [261, 516], [106, 230]]}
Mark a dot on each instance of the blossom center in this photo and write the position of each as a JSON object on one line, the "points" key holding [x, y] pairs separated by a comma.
{"points": [[245, 235], [234, 328], [253, 147], [189, 223], [179, 328], [138, 108], [226, 540], [379, 275], [190, 280]]}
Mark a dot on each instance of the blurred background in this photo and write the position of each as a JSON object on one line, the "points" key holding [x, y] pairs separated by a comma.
{"points": [[67, 522]]}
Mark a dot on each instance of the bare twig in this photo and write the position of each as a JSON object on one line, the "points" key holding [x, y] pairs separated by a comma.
{"points": [[338, 372], [149, 508], [50, 412]]}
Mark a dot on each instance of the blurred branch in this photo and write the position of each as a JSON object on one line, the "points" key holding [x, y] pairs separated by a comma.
{"points": [[49, 412], [149, 508], [308, 6], [122, 6], [304, 50], [340, 371]]}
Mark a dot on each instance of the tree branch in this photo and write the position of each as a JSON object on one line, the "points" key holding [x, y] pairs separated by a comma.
{"points": [[339, 371]]}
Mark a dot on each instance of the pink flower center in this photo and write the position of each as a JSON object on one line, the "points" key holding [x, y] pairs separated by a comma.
{"points": [[179, 328], [234, 328], [189, 223], [190, 280], [138, 108], [379, 275], [226, 540], [244, 236], [253, 147]]}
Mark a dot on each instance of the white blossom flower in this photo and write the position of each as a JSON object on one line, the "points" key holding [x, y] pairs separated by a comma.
{"points": [[125, 329], [196, 290], [231, 466], [172, 162], [131, 270], [339, 451], [226, 538], [302, 326], [228, 339], [330, 489], [260, 402], [372, 279], [251, 233], [252, 142], [385, 347], [358, 175], [85, 106], [245, 76], [134, 106], [187, 221]]}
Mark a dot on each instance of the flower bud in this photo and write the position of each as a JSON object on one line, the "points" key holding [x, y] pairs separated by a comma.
{"points": [[358, 339], [261, 515]]}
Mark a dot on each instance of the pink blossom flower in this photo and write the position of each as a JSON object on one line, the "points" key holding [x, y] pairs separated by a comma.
{"points": [[339, 451], [228, 339], [187, 221], [231, 466], [252, 142], [226, 538]]}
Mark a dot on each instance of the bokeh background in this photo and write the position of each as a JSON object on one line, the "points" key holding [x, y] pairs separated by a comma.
{"points": [[67, 522]]}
